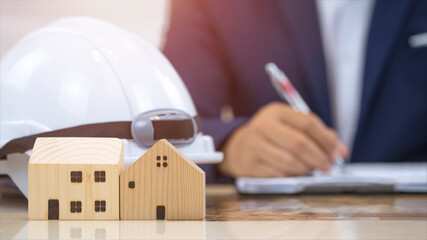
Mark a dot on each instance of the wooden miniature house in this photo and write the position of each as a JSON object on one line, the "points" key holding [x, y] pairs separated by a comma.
{"points": [[163, 184], [75, 178]]}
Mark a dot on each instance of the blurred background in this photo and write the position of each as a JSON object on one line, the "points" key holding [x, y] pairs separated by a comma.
{"points": [[146, 18]]}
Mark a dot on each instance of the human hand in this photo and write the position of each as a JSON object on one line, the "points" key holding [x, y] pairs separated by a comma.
{"points": [[279, 141]]}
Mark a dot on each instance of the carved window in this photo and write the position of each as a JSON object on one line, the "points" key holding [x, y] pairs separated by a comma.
{"points": [[165, 158], [99, 176], [75, 206], [76, 176], [100, 206]]}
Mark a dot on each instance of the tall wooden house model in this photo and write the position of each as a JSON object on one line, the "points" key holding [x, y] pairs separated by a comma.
{"points": [[162, 184]]}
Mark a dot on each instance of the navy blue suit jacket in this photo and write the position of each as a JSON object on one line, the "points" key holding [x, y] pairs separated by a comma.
{"points": [[220, 48]]}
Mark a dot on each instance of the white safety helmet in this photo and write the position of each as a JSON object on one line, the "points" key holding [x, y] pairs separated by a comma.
{"points": [[84, 77]]}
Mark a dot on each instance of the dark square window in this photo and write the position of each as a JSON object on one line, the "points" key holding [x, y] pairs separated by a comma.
{"points": [[158, 164], [158, 158], [99, 176], [76, 176], [100, 206], [131, 184], [75, 206], [165, 164], [165, 158]]}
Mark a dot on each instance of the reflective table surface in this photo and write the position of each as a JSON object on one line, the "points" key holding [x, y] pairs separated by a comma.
{"points": [[234, 216]]}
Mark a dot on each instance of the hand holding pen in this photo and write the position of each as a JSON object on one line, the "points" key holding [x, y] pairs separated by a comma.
{"points": [[278, 141], [288, 93]]}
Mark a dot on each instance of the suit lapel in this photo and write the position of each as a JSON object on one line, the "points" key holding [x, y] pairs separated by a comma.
{"points": [[387, 22], [301, 18]]}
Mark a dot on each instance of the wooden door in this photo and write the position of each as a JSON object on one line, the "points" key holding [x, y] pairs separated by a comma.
{"points": [[161, 212], [53, 210]]}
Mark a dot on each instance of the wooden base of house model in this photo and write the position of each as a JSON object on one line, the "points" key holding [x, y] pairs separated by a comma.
{"points": [[83, 178]]}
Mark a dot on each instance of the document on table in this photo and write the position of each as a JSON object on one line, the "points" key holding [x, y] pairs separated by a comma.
{"points": [[357, 178]]}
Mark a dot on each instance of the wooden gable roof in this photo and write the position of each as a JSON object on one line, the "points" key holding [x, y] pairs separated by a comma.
{"points": [[162, 144]]}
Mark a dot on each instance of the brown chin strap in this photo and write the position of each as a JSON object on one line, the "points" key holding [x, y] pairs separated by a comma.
{"points": [[169, 129]]}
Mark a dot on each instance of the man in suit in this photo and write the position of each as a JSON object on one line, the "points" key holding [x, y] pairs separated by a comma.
{"points": [[360, 65]]}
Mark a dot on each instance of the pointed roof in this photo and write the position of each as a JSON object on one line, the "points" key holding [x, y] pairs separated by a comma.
{"points": [[166, 143]]}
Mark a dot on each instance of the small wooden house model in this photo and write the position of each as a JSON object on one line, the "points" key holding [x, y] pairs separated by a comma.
{"points": [[163, 184], [75, 178]]}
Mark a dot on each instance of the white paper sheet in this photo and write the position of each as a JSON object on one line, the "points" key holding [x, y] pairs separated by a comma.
{"points": [[358, 177]]}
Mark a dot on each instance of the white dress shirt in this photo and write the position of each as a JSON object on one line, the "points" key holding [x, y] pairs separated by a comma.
{"points": [[344, 27]]}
